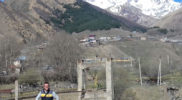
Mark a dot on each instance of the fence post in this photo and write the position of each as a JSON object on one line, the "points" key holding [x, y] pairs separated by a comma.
{"points": [[140, 72], [16, 89]]}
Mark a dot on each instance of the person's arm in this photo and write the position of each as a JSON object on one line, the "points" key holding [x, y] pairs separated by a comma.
{"points": [[55, 96], [38, 96]]}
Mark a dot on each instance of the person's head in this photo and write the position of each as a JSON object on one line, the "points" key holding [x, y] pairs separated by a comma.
{"points": [[46, 86]]}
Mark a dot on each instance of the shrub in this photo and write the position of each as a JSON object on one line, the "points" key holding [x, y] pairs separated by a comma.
{"points": [[172, 30], [62, 53], [121, 82], [7, 79], [30, 77], [163, 31], [156, 27], [129, 95]]}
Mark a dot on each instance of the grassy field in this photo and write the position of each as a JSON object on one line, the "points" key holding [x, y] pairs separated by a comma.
{"points": [[150, 52], [6, 86], [146, 93]]}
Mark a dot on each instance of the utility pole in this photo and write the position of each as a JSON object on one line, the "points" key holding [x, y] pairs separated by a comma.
{"points": [[131, 61], [140, 72], [168, 61], [159, 73]]}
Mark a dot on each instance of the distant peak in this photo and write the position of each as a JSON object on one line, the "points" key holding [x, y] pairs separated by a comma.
{"points": [[155, 8]]}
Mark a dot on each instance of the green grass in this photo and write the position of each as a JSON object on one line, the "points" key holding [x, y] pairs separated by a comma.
{"points": [[146, 93], [6, 86], [174, 78], [149, 52]]}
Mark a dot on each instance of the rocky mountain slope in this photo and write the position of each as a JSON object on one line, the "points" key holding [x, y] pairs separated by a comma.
{"points": [[172, 22], [32, 20], [26, 18], [23, 25]]}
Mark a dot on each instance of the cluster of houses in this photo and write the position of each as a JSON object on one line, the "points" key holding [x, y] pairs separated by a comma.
{"points": [[17, 64], [89, 41], [165, 39], [16, 67], [92, 40]]}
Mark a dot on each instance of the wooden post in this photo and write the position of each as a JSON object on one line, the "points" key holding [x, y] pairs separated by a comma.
{"points": [[131, 64], [140, 72], [16, 90]]}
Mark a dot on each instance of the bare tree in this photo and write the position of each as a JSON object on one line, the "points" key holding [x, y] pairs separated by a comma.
{"points": [[63, 52], [9, 50]]}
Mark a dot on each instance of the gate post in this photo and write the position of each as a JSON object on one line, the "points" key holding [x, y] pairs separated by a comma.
{"points": [[80, 76], [109, 84]]}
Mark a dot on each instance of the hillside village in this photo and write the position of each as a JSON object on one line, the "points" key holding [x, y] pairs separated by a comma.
{"points": [[94, 40], [89, 41], [88, 53]]}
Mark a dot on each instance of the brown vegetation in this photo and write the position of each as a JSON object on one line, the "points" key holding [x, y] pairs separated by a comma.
{"points": [[9, 51], [63, 53]]}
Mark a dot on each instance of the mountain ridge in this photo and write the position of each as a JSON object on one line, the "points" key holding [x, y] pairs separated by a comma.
{"points": [[145, 9], [30, 20], [155, 8], [172, 22]]}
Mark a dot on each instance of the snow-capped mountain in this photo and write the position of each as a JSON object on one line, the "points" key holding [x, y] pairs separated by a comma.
{"points": [[155, 8], [144, 12]]}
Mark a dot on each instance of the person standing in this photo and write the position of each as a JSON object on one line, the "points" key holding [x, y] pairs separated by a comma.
{"points": [[46, 93]]}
